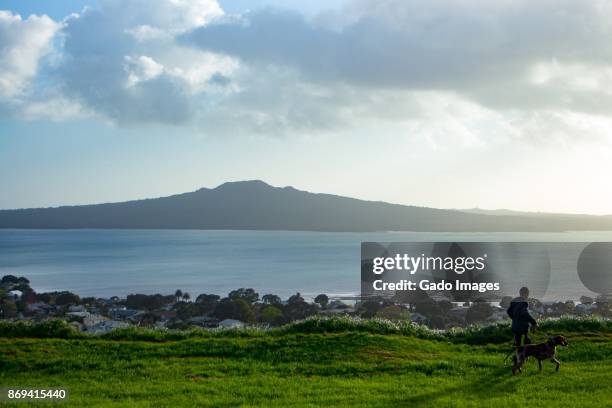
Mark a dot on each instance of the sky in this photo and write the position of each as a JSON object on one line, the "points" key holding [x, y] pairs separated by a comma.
{"points": [[448, 104]]}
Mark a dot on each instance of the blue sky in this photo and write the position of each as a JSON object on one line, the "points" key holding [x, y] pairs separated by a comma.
{"points": [[434, 103]]}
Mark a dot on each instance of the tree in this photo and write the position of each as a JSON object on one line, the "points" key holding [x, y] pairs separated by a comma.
{"points": [[322, 300], [9, 279], [297, 299], [66, 298], [505, 302], [603, 306], [148, 302], [207, 302], [44, 297], [238, 309], [249, 295], [244, 311], [297, 308], [224, 309], [393, 312], [185, 311], [186, 296], [206, 298], [178, 294], [8, 309], [271, 299], [369, 308], [535, 305], [585, 300], [478, 313], [569, 307], [272, 315]]}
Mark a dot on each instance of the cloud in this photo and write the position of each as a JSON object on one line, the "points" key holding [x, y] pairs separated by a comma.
{"points": [[141, 69], [482, 50], [22, 45], [121, 61], [463, 70]]}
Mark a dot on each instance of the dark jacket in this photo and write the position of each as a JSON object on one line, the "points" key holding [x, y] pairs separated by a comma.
{"points": [[519, 313]]}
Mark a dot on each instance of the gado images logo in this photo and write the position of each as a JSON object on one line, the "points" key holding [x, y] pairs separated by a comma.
{"points": [[468, 271]]}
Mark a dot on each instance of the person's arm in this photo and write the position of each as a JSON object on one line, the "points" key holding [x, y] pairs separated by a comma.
{"points": [[526, 316], [532, 321]]}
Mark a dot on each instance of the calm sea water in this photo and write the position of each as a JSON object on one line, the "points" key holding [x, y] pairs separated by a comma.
{"points": [[119, 262]]}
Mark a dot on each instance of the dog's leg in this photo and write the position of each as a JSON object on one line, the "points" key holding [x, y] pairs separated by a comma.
{"points": [[557, 362], [540, 364]]}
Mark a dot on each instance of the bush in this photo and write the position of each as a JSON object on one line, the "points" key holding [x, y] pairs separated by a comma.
{"points": [[318, 324], [47, 329], [496, 333]]}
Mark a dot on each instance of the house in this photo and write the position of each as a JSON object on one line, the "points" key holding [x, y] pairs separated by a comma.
{"points": [[206, 321], [497, 314], [440, 297], [585, 309], [231, 324], [122, 313], [38, 307], [106, 326], [137, 317], [329, 312], [79, 315], [167, 315], [418, 318], [76, 308], [92, 320], [15, 294], [337, 305]]}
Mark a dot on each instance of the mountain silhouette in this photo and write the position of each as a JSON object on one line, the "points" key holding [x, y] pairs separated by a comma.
{"points": [[255, 205]]}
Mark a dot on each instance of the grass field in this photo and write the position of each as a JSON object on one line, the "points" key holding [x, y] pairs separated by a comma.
{"points": [[313, 364]]}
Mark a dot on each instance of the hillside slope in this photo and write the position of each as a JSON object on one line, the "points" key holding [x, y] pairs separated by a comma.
{"points": [[255, 205]]}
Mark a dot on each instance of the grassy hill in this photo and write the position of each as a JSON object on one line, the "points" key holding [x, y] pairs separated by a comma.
{"points": [[335, 362]]}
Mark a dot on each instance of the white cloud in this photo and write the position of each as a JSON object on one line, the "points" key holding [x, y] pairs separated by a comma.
{"points": [[22, 45], [121, 61], [54, 107], [145, 32], [467, 72], [483, 50], [142, 68]]}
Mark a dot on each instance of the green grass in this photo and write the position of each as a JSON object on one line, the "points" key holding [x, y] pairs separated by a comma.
{"points": [[319, 362]]}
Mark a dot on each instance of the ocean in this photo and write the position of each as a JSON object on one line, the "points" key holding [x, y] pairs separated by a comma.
{"points": [[119, 262]]}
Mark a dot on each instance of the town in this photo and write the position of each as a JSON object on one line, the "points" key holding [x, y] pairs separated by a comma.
{"points": [[244, 307]]}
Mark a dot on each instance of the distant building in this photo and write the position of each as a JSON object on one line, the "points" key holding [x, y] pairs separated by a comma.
{"points": [[15, 294], [584, 309], [38, 307], [78, 314], [121, 313], [207, 322], [106, 326], [92, 320], [418, 318], [231, 324]]}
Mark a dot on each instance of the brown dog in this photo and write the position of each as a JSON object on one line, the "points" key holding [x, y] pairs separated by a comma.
{"points": [[541, 351]]}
